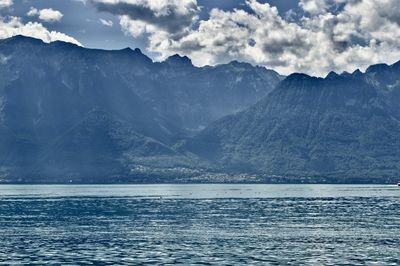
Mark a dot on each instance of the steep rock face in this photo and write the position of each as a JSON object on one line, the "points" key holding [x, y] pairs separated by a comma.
{"points": [[386, 80], [340, 127], [70, 112], [197, 96], [179, 93], [55, 128]]}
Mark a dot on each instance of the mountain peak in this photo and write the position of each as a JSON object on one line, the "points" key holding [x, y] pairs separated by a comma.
{"points": [[345, 74], [135, 53], [298, 76], [177, 59], [357, 72], [238, 63], [63, 44], [23, 38], [235, 65], [129, 50], [299, 79], [126, 49], [377, 68], [332, 75]]}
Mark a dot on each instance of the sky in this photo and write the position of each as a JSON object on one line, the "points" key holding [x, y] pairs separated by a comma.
{"points": [[308, 36]]}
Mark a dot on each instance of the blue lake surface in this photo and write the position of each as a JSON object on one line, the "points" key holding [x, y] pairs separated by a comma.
{"points": [[200, 224]]}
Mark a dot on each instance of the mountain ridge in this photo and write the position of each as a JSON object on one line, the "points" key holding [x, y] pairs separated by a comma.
{"points": [[340, 127], [71, 114], [58, 98]]}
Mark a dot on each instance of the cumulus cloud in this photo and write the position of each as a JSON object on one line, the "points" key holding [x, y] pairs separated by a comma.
{"points": [[314, 6], [47, 14], [107, 23], [14, 26], [5, 3], [339, 35], [172, 16]]}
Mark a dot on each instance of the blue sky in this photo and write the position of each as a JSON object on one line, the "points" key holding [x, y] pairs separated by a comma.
{"points": [[82, 21], [311, 36]]}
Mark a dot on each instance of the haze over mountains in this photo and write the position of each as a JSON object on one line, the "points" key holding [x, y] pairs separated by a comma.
{"points": [[73, 114]]}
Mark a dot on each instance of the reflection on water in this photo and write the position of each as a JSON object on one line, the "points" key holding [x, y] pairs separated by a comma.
{"points": [[200, 224]]}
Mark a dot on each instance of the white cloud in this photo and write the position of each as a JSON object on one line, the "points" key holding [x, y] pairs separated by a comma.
{"points": [[47, 14], [339, 35], [32, 12], [135, 28], [107, 23], [314, 6], [261, 37], [172, 16], [14, 26], [5, 3]]}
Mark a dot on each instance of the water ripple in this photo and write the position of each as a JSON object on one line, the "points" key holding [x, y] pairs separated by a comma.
{"points": [[123, 230]]}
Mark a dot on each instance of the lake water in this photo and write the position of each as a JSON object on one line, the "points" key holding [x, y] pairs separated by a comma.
{"points": [[200, 224]]}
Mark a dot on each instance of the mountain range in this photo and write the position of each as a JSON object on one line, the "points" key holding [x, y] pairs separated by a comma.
{"points": [[71, 114]]}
